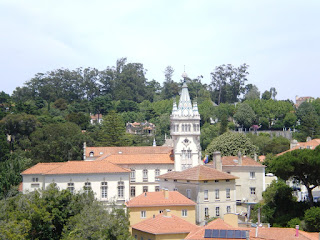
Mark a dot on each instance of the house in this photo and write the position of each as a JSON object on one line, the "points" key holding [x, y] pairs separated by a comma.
{"points": [[96, 119], [309, 144], [108, 181], [213, 191], [219, 230], [164, 226], [142, 128], [250, 182], [150, 204], [300, 100]]}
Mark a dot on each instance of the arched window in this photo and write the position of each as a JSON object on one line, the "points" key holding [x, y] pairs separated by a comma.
{"points": [[91, 154]]}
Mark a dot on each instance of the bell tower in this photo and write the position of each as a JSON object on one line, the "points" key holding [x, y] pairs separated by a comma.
{"points": [[185, 131]]}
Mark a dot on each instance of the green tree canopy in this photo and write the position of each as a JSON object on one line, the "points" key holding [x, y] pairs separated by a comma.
{"points": [[312, 219], [244, 115], [230, 143]]}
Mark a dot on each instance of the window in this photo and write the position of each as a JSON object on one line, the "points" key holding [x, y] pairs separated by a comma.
{"points": [[132, 191], [205, 195], [205, 181], [145, 188], [228, 209], [228, 180], [71, 187], [156, 188], [189, 154], [252, 190], [189, 193], [135, 236], [160, 211], [217, 194], [169, 170], [104, 189], [217, 211], [175, 189], [183, 154], [143, 214], [145, 175], [91, 154], [184, 213], [157, 173], [35, 179], [175, 180], [216, 180], [35, 185], [120, 189], [206, 212], [141, 238], [252, 175], [87, 187], [228, 193], [133, 175]]}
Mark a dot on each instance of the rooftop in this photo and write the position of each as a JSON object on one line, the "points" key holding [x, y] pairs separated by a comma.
{"points": [[162, 224], [140, 159], [234, 161], [75, 167], [198, 173], [312, 144], [158, 199]]}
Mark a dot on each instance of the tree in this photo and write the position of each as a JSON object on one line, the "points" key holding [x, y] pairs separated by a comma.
{"points": [[312, 219], [252, 92], [228, 82], [244, 115], [302, 165], [273, 93], [309, 120], [266, 95], [57, 142], [230, 143], [81, 119], [170, 88]]}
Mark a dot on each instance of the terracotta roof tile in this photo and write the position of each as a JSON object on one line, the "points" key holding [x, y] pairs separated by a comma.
{"points": [[246, 161], [198, 173], [312, 144], [158, 199], [75, 167], [98, 151], [140, 159], [162, 224]]}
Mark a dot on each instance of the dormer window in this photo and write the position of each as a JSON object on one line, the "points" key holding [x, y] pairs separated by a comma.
{"points": [[91, 154]]}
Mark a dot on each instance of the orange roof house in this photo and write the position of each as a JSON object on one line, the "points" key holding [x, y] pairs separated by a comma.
{"points": [[163, 226], [309, 144], [150, 204]]}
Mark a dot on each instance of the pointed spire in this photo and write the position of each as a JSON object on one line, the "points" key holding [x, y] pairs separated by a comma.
{"points": [[185, 105]]}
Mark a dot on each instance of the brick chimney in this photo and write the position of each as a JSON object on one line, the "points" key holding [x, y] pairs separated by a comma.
{"points": [[217, 163], [166, 193], [167, 213]]}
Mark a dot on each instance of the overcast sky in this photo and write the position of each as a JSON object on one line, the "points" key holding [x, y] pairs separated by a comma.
{"points": [[279, 40]]}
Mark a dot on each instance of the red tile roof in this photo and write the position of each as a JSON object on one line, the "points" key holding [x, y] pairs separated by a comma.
{"points": [[234, 161], [75, 167], [158, 199], [312, 144], [140, 159], [162, 224], [127, 150], [198, 173]]}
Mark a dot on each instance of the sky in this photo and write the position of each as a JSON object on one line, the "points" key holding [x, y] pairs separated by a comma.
{"points": [[279, 40]]}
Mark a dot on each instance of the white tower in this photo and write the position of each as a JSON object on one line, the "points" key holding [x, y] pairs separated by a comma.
{"points": [[185, 131]]}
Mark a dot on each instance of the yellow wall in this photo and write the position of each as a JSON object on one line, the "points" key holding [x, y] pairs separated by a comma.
{"points": [[147, 236], [135, 213]]}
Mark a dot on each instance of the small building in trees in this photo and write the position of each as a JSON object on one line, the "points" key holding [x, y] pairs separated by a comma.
{"points": [[96, 119], [144, 128]]}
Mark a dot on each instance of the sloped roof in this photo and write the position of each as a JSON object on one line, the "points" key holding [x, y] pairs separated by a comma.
{"points": [[98, 151], [158, 199], [197, 173], [162, 224], [234, 161], [312, 144], [74, 167], [140, 159]]}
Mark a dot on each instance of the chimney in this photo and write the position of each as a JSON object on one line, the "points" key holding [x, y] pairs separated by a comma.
{"points": [[308, 139], [293, 143], [84, 150], [240, 158], [297, 231], [167, 213], [166, 193], [255, 157], [217, 161]]}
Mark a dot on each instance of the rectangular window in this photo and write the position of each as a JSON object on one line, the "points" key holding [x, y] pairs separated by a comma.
{"points": [[175, 189], [157, 189], [169, 170], [252, 190], [104, 190], [145, 188], [205, 195], [217, 211], [228, 209], [252, 175], [206, 212], [183, 154], [217, 194], [120, 189], [71, 187], [189, 193], [135, 236], [216, 180], [145, 175], [132, 191], [35, 179], [143, 214], [189, 154], [157, 173], [228, 193], [35, 185], [133, 175], [87, 187], [227, 180], [205, 181], [184, 213]]}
